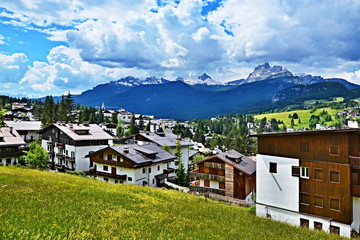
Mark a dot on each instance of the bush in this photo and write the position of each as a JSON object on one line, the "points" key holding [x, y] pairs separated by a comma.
{"points": [[76, 173], [252, 210], [1, 164]]}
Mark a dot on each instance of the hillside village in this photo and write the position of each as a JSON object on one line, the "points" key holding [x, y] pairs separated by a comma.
{"points": [[304, 177]]}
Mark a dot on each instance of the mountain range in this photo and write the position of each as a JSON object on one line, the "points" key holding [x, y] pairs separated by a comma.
{"points": [[202, 97]]}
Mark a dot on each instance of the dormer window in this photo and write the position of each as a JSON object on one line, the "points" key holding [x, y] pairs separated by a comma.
{"points": [[82, 132]]}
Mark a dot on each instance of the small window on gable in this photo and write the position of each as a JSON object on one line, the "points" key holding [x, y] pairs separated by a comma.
{"points": [[334, 150], [304, 198], [334, 176], [295, 171], [304, 172], [318, 201], [318, 174], [334, 204], [273, 167], [304, 147], [144, 170]]}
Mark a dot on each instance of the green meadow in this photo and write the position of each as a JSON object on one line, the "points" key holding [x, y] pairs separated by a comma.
{"points": [[304, 116], [43, 205]]}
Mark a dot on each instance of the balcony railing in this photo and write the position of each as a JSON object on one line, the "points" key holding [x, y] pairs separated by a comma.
{"points": [[355, 161], [60, 145], [168, 171], [205, 176], [60, 155], [214, 165], [356, 190], [70, 159], [109, 175], [207, 189]]}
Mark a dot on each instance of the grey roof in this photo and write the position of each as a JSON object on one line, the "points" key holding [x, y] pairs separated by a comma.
{"points": [[192, 153], [10, 138], [95, 132], [24, 125], [169, 139], [246, 164], [140, 154]]}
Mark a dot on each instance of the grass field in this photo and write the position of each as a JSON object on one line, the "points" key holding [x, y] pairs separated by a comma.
{"points": [[304, 116], [44, 205]]}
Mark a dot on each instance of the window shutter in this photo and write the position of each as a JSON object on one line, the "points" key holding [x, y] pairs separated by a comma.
{"points": [[295, 171]]}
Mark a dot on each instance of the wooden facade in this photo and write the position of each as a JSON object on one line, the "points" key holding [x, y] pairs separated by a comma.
{"points": [[229, 180], [329, 174]]}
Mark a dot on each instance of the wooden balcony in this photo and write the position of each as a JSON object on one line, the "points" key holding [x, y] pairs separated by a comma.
{"points": [[60, 145], [207, 190], [109, 175], [70, 159], [205, 176], [355, 162], [356, 190], [60, 155], [50, 143], [214, 165], [168, 171]]}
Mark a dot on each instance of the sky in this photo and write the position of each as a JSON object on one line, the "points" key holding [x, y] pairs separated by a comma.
{"points": [[50, 47]]}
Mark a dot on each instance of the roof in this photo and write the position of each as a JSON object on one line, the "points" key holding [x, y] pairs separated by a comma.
{"points": [[347, 130], [192, 153], [144, 154], [10, 138], [95, 131], [246, 164], [24, 125], [168, 139]]}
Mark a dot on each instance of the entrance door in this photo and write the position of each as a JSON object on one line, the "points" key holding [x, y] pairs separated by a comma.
{"points": [[113, 171]]}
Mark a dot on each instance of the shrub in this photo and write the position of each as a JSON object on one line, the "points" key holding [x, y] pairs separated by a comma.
{"points": [[252, 210]]}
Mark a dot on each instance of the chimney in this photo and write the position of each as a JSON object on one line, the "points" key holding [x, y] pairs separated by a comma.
{"points": [[126, 149]]}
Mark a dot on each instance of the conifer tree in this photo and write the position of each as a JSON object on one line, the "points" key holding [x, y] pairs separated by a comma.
{"points": [[148, 126], [48, 115], [180, 170]]}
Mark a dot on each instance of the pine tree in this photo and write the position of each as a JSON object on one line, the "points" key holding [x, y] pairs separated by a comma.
{"points": [[62, 112], [180, 170], [141, 123], [69, 107], [48, 115], [2, 113], [133, 129]]}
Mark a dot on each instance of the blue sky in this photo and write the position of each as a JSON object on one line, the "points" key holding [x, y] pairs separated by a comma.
{"points": [[51, 47]]}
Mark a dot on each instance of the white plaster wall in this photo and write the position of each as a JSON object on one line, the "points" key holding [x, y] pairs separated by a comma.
{"points": [[279, 189], [81, 162], [201, 183], [12, 161], [184, 157], [356, 214], [293, 218]]}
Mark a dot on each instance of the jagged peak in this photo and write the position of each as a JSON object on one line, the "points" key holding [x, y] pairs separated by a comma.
{"points": [[204, 77]]}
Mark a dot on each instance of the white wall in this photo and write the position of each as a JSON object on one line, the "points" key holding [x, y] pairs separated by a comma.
{"points": [[279, 189], [356, 214], [214, 184], [293, 218]]}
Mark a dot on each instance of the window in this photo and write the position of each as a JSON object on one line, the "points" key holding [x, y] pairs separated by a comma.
{"points": [[105, 168], [153, 181], [149, 169], [318, 174], [158, 168], [304, 172], [335, 229], [273, 167], [144, 170], [91, 164], [304, 147], [304, 198], [116, 181], [334, 176], [304, 223], [119, 159], [318, 201], [295, 171], [334, 204], [129, 179], [317, 225], [334, 150], [106, 179]]}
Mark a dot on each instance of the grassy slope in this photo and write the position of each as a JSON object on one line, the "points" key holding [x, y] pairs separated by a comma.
{"points": [[304, 116], [44, 205]]}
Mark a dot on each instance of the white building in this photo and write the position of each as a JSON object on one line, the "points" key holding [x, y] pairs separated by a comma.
{"points": [[146, 165], [28, 130], [10, 146], [68, 144]]}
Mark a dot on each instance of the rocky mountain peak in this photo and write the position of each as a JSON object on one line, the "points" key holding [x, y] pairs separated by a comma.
{"points": [[265, 71], [204, 77]]}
